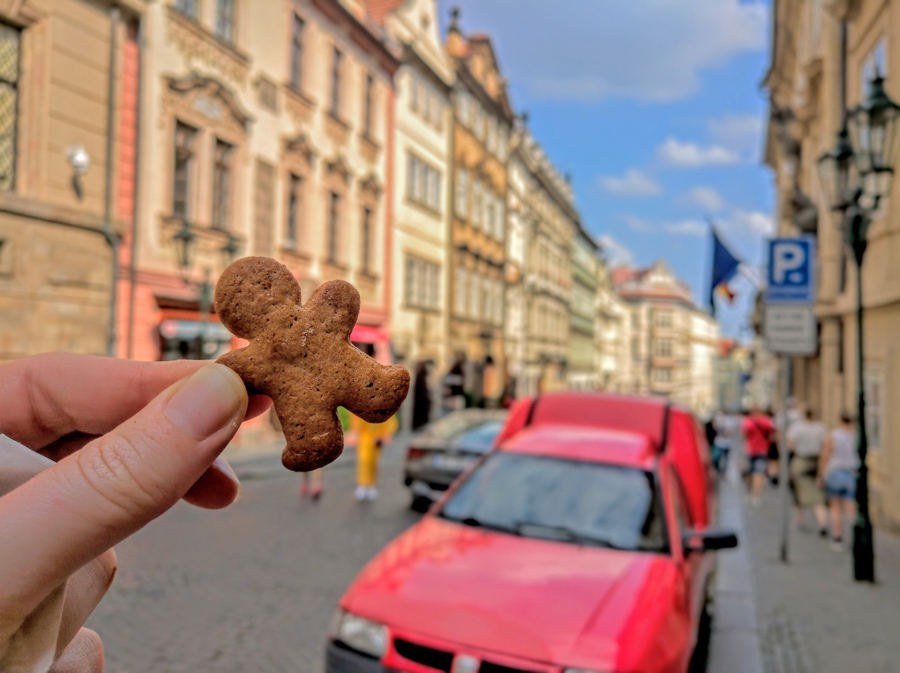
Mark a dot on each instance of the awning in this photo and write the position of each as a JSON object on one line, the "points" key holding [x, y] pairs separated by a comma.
{"points": [[188, 330], [366, 334]]}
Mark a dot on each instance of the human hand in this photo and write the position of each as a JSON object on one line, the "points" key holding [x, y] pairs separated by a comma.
{"points": [[130, 439]]}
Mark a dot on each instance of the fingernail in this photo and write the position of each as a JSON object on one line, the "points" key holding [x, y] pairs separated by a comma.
{"points": [[207, 401], [225, 468]]}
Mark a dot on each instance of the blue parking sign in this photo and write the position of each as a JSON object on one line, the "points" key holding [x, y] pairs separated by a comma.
{"points": [[791, 278]]}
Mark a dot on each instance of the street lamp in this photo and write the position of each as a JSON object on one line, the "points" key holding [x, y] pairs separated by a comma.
{"points": [[856, 174], [185, 241]]}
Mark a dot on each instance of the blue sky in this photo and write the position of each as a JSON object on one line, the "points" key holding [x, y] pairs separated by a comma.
{"points": [[654, 107]]}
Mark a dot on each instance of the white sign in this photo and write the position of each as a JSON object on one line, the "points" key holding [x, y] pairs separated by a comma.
{"points": [[790, 329]]}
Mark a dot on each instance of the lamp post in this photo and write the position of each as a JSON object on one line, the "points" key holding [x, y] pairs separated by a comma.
{"points": [[185, 244], [856, 174]]}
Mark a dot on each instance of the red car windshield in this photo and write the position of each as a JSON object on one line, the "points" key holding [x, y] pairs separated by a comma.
{"points": [[565, 500]]}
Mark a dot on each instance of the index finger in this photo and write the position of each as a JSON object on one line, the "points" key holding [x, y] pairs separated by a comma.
{"points": [[46, 397]]}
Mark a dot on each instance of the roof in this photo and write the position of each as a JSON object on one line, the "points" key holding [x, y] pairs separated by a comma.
{"points": [[599, 445], [379, 9]]}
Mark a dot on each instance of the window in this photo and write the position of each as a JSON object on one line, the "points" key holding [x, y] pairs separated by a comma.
{"points": [[422, 281], [182, 176], [462, 192], [662, 319], [221, 185], [840, 346], [225, 20], [9, 104], [498, 218], [487, 298], [489, 213], [334, 206], [367, 240], [498, 302], [662, 375], [875, 61], [294, 205], [478, 122], [462, 282], [367, 107], [336, 59], [635, 349], [477, 203], [635, 320], [297, 52], [187, 7], [415, 83], [663, 347], [502, 141], [423, 183], [474, 295], [464, 108]]}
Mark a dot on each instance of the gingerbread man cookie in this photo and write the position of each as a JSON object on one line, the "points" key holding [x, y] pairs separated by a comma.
{"points": [[301, 357]]}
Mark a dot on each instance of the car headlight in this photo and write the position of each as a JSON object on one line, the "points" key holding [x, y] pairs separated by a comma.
{"points": [[360, 634]]}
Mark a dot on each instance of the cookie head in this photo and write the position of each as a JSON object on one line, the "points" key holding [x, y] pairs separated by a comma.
{"points": [[250, 291]]}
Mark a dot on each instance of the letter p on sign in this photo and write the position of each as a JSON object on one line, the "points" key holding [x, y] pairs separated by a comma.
{"points": [[791, 270]]}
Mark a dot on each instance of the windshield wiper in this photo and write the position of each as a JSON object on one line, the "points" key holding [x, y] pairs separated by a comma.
{"points": [[478, 523], [563, 533]]}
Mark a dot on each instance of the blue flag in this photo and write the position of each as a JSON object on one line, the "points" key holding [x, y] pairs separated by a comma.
{"points": [[725, 266]]}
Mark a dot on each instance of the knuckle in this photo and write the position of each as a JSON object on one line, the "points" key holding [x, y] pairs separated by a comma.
{"points": [[113, 467]]}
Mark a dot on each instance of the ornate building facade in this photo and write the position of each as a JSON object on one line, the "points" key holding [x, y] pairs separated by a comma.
{"points": [[582, 358], [824, 55], [672, 344], [482, 123], [255, 141], [66, 157]]}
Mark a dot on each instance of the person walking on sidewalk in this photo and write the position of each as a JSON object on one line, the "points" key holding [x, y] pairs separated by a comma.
{"points": [[805, 439], [759, 432], [837, 473], [725, 428], [368, 450]]}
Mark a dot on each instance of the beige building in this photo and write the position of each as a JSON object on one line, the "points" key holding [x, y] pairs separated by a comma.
{"points": [[266, 126], [549, 221], [520, 218], [671, 343], [482, 123], [611, 332], [581, 370], [66, 156], [821, 49], [423, 128]]}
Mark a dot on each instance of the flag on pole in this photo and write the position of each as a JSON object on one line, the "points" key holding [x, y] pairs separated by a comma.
{"points": [[724, 267]]}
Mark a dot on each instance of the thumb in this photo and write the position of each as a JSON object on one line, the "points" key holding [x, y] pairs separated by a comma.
{"points": [[93, 499]]}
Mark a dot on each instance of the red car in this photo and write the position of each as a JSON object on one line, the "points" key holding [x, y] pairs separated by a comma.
{"points": [[580, 544]]}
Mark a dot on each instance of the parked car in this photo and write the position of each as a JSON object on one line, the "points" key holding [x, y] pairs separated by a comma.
{"points": [[581, 544], [445, 449]]}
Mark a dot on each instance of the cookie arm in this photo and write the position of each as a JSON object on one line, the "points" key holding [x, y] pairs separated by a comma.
{"points": [[374, 392]]}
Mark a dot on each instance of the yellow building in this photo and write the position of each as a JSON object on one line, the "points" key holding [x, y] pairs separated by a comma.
{"points": [[67, 84], [823, 56], [482, 123]]}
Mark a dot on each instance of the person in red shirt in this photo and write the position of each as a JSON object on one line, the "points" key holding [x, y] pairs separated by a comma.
{"points": [[759, 432]]}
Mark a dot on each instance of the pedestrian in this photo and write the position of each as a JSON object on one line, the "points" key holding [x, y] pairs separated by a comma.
{"points": [[837, 473], [454, 393], [805, 439], [111, 446], [724, 430], [421, 396], [759, 432], [372, 437], [773, 453], [509, 392]]}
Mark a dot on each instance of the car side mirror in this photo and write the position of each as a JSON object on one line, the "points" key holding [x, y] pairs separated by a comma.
{"points": [[708, 540]]}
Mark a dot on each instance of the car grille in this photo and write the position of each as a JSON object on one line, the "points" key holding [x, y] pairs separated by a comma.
{"points": [[441, 660], [427, 656]]}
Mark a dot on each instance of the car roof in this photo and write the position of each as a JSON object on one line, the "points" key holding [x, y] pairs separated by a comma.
{"points": [[572, 442]]}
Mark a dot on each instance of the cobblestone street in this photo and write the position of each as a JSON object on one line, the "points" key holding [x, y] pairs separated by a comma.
{"points": [[249, 588]]}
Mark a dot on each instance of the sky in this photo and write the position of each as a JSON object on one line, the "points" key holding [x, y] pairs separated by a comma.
{"points": [[655, 109]]}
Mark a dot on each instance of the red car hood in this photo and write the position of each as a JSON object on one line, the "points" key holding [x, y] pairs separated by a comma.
{"points": [[541, 600]]}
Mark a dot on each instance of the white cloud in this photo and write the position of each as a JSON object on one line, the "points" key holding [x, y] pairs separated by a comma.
{"points": [[616, 253], [687, 228], [675, 152], [634, 183], [752, 221], [737, 131], [638, 224], [703, 197], [625, 49]]}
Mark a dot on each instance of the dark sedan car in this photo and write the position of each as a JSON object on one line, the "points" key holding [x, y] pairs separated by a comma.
{"points": [[445, 449]]}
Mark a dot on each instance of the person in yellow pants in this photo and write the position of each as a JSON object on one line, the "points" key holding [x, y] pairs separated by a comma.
{"points": [[368, 450]]}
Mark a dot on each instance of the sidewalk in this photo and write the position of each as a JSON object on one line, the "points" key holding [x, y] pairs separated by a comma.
{"points": [[813, 618], [735, 642]]}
